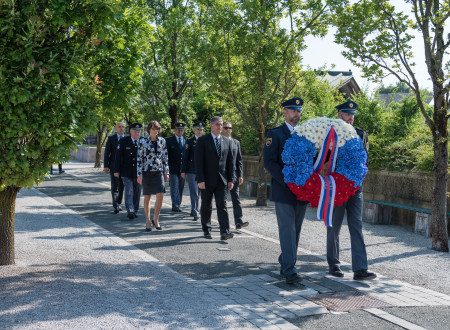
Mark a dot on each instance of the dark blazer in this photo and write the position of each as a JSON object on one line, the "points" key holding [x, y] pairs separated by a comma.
{"points": [[126, 158], [110, 152], [273, 163], [237, 157], [188, 165], [175, 155], [209, 167]]}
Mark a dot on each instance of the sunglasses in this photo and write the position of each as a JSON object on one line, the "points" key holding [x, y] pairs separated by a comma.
{"points": [[228, 128]]}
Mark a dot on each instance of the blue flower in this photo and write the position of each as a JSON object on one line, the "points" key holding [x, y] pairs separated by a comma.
{"points": [[351, 161], [298, 155]]}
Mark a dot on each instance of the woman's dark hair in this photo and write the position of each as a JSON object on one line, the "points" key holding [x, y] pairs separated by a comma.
{"points": [[153, 124]]}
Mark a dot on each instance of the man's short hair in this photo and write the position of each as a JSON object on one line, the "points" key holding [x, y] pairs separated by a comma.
{"points": [[215, 118]]}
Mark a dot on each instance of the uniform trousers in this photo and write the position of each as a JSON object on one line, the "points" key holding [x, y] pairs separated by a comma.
{"points": [[194, 194], [116, 190], [218, 191], [290, 219], [132, 194], [176, 189], [237, 208], [354, 207]]}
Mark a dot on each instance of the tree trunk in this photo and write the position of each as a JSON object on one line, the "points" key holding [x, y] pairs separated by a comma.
{"points": [[261, 192], [102, 134], [173, 113], [98, 155], [7, 210], [439, 234]]}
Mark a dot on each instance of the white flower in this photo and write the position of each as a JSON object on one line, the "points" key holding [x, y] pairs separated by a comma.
{"points": [[315, 130]]}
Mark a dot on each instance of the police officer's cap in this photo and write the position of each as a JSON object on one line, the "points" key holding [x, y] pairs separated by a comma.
{"points": [[136, 126], [199, 124], [180, 125], [293, 104], [347, 107]]}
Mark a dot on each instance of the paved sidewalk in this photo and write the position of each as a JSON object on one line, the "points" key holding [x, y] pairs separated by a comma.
{"points": [[72, 273]]}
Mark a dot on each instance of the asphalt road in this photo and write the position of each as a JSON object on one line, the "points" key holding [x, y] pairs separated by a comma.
{"points": [[181, 246]]}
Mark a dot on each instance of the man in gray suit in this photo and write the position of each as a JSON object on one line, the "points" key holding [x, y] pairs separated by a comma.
{"points": [[237, 160], [215, 175]]}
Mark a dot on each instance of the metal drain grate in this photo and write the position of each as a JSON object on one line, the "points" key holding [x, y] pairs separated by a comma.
{"points": [[346, 301]]}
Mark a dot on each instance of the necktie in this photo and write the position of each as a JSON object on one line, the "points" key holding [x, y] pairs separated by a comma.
{"points": [[218, 146], [180, 143]]}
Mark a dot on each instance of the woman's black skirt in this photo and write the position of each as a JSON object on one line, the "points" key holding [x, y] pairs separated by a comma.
{"points": [[153, 182]]}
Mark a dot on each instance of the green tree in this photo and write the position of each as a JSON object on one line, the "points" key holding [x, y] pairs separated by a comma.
{"points": [[170, 67], [253, 61], [121, 51], [48, 83], [377, 38]]}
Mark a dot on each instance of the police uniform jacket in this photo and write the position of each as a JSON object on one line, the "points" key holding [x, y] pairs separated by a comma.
{"points": [[365, 139], [237, 156], [110, 151], [149, 160], [273, 163], [126, 158], [209, 167], [188, 165], [175, 155]]}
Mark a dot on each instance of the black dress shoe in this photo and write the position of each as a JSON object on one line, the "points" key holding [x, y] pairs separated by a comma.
{"points": [[293, 278], [131, 215], [226, 236], [207, 235], [336, 271], [195, 218], [116, 211], [157, 227], [176, 209], [241, 224], [361, 275]]}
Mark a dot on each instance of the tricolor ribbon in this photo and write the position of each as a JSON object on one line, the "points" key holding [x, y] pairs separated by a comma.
{"points": [[328, 185]]}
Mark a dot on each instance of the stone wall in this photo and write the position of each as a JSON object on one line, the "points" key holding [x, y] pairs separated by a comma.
{"points": [[85, 154]]}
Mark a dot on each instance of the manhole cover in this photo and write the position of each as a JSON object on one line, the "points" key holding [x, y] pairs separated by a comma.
{"points": [[346, 301]]}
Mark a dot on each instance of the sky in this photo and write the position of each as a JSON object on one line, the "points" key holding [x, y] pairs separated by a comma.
{"points": [[324, 51]]}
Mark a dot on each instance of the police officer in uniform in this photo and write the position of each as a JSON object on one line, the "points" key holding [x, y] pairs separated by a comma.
{"points": [[290, 211], [175, 148], [126, 167], [188, 168], [354, 207]]}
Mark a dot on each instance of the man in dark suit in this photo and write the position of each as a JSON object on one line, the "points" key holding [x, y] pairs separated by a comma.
{"points": [[126, 167], [108, 164], [215, 175], [237, 160], [175, 147], [290, 211], [354, 207], [188, 168]]}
